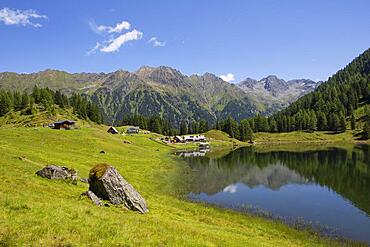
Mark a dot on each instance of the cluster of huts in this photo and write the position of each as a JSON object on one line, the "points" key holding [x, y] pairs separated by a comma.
{"points": [[184, 139], [70, 124], [130, 130]]}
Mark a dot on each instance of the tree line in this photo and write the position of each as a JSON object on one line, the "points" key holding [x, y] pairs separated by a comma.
{"points": [[160, 125], [155, 124], [47, 99]]}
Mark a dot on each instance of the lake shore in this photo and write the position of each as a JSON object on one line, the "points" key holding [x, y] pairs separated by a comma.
{"points": [[221, 140]]}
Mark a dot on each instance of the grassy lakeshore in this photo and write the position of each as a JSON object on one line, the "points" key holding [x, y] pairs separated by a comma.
{"points": [[303, 137], [36, 211]]}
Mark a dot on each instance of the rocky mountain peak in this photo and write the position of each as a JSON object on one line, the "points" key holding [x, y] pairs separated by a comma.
{"points": [[276, 90], [247, 82], [274, 85], [161, 74], [210, 77]]}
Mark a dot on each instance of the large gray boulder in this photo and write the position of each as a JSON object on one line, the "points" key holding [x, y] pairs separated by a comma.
{"points": [[106, 183], [58, 172]]}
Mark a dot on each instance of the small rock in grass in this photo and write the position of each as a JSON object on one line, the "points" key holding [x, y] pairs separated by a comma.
{"points": [[93, 198], [102, 152], [23, 158], [58, 172], [84, 180]]}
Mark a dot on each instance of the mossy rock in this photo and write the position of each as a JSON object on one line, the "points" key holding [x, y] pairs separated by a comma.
{"points": [[98, 171], [107, 183]]}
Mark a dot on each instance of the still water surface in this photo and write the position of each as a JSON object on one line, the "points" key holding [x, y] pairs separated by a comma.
{"points": [[329, 187]]}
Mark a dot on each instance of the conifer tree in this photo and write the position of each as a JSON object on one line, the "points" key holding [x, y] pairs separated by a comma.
{"points": [[342, 122], [366, 131], [203, 126], [5, 103], [25, 101], [353, 122], [245, 131], [273, 125], [183, 128]]}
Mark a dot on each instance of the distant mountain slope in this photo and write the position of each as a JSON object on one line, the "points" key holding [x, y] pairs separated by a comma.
{"points": [[54, 79], [166, 91], [176, 97], [276, 93]]}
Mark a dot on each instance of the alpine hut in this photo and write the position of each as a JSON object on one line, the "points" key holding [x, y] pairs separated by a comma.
{"points": [[64, 124], [112, 130]]}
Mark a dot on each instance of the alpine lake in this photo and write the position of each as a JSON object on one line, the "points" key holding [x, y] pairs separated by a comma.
{"points": [[323, 188]]}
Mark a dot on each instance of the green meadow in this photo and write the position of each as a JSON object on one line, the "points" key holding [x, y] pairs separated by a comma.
{"points": [[39, 212]]}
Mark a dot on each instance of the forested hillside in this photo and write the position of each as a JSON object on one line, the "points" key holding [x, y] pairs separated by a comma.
{"points": [[333, 102], [47, 99]]}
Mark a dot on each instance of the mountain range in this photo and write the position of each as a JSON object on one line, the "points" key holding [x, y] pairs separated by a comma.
{"points": [[166, 91], [275, 93]]}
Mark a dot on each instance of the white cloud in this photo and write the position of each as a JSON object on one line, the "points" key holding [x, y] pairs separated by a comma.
{"points": [[114, 44], [124, 25], [156, 43], [114, 37], [104, 30], [228, 77], [93, 50], [20, 17]]}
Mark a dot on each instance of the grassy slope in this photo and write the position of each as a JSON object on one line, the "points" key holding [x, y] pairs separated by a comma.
{"points": [[301, 136], [221, 139], [40, 118], [37, 211]]}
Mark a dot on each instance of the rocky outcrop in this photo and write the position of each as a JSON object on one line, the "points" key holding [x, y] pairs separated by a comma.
{"points": [[58, 172], [106, 183]]}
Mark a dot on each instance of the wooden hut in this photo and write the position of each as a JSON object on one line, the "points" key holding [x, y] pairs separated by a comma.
{"points": [[64, 124], [133, 130], [112, 130]]}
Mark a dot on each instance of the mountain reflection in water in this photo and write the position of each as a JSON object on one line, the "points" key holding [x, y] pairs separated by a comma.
{"points": [[330, 186]]}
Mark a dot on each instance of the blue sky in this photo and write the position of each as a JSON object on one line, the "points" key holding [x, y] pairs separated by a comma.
{"points": [[291, 39]]}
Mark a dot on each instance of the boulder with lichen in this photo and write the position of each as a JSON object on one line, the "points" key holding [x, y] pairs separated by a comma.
{"points": [[108, 184], [58, 172]]}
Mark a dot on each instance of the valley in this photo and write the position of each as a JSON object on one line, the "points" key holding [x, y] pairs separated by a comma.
{"points": [[184, 123]]}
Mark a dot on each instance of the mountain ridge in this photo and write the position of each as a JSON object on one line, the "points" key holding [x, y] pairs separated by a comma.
{"points": [[159, 90]]}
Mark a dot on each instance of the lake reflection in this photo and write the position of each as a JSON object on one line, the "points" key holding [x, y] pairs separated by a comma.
{"points": [[329, 186]]}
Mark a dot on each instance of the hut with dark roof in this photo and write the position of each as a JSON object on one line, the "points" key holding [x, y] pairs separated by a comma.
{"points": [[64, 124], [112, 130]]}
